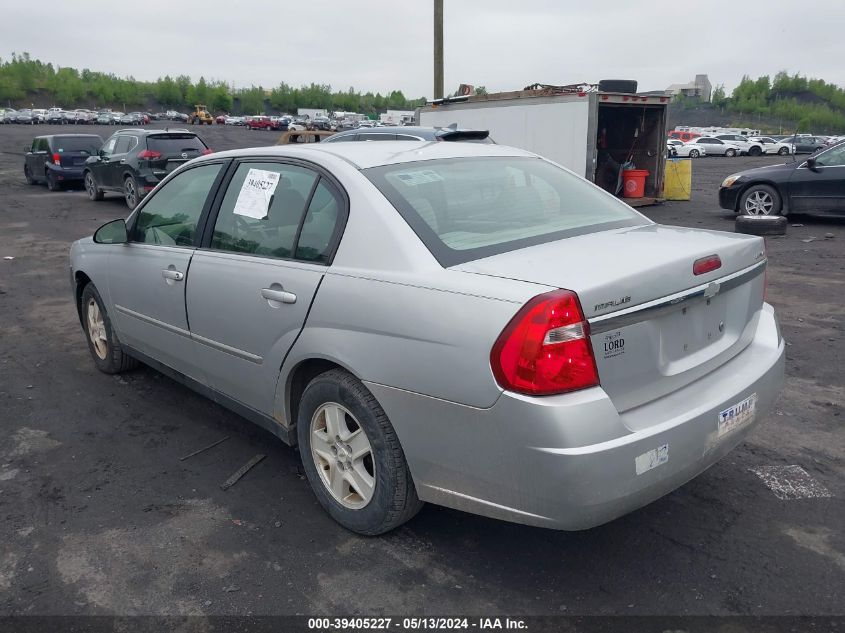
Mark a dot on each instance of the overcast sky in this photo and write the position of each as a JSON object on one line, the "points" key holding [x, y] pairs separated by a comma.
{"points": [[376, 45]]}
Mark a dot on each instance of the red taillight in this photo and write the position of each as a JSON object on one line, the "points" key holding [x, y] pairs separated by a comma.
{"points": [[57, 159], [545, 349], [149, 154], [207, 151], [706, 264]]}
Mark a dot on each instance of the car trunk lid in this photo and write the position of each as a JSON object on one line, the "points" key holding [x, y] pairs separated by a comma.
{"points": [[655, 326]]}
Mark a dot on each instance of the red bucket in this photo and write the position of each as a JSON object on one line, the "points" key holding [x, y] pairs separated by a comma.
{"points": [[633, 183]]}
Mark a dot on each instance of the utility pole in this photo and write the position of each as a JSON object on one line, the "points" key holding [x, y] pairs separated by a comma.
{"points": [[438, 49]]}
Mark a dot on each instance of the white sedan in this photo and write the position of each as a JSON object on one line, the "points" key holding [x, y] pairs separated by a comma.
{"points": [[772, 146], [713, 147], [684, 150]]}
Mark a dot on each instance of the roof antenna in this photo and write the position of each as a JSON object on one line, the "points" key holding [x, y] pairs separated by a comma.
{"points": [[453, 126]]}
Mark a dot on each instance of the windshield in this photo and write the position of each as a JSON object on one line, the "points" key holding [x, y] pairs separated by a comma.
{"points": [[468, 208], [85, 144]]}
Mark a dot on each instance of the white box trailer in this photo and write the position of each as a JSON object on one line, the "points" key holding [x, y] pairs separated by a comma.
{"points": [[591, 133], [395, 117], [312, 113]]}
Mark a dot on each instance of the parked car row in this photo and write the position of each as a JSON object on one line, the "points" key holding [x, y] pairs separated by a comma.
{"points": [[131, 162]]}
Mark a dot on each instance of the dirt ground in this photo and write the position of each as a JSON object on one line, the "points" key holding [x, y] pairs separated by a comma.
{"points": [[99, 516]]}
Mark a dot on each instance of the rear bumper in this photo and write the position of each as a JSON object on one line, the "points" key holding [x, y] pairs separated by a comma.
{"points": [[66, 173], [571, 462]]}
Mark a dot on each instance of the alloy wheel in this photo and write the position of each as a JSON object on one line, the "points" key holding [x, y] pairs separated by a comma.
{"points": [[131, 194], [343, 455], [759, 203]]}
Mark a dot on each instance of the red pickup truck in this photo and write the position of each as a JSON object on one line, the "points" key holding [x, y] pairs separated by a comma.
{"points": [[260, 123]]}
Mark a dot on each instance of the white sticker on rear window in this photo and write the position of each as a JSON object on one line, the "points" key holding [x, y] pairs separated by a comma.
{"points": [[652, 459], [256, 192], [421, 177]]}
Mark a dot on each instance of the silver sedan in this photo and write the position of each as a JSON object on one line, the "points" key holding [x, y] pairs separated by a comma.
{"points": [[464, 324]]}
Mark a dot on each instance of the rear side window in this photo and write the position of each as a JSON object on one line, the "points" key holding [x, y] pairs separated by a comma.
{"points": [[84, 144], [272, 229], [468, 208], [319, 226], [170, 217], [174, 145], [122, 144]]}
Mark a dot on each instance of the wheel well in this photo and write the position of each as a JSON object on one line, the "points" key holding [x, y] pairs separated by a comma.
{"points": [[82, 280], [302, 374]]}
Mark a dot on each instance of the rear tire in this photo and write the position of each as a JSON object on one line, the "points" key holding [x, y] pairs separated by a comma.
{"points": [[694, 153], [783, 151], [28, 175], [330, 455], [755, 151], [52, 183], [102, 341], [730, 153], [131, 193]]}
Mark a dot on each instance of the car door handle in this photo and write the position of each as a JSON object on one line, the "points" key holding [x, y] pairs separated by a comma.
{"points": [[172, 274], [282, 296]]}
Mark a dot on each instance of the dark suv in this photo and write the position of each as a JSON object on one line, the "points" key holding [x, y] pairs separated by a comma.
{"points": [[132, 162], [59, 158]]}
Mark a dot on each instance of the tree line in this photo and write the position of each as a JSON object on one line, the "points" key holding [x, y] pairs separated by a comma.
{"points": [[805, 105], [24, 80]]}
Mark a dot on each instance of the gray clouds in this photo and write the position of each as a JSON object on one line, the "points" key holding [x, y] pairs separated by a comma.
{"points": [[378, 46]]}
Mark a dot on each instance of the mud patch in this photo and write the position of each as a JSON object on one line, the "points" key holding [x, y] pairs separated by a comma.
{"points": [[145, 571], [28, 441], [817, 541]]}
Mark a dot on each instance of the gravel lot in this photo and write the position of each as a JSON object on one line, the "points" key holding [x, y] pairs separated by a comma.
{"points": [[99, 516]]}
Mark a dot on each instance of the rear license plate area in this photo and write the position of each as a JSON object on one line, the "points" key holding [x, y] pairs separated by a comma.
{"points": [[693, 327]]}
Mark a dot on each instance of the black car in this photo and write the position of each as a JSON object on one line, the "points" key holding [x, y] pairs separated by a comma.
{"points": [[59, 158], [805, 144], [411, 133], [815, 185], [133, 161]]}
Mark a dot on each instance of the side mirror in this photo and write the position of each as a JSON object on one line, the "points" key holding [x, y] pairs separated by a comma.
{"points": [[113, 232], [812, 165]]}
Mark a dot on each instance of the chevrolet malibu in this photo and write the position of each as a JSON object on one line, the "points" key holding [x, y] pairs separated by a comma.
{"points": [[465, 324]]}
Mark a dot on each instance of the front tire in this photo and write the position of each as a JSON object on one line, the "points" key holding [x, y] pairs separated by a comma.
{"points": [[783, 151], [730, 153], [694, 153], [102, 341], [94, 192], [760, 200], [755, 151], [352, 456]]}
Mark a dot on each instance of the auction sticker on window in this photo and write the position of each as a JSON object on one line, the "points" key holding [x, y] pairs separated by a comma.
{"points": [[420, 177], [738, 415], [256, 193]]}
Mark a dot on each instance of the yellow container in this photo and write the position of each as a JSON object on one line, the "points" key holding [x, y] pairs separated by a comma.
{"points": [[677, 184]]}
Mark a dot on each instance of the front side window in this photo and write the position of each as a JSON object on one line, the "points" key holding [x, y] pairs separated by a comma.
{"points": [[122, 145], [834, 157], [466, 208], [170, 217], [248, 223], [108, 148]]}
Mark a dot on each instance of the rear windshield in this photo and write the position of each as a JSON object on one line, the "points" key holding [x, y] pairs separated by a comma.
{"points": [[175, 144], [468, 208], [84, 144]]}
